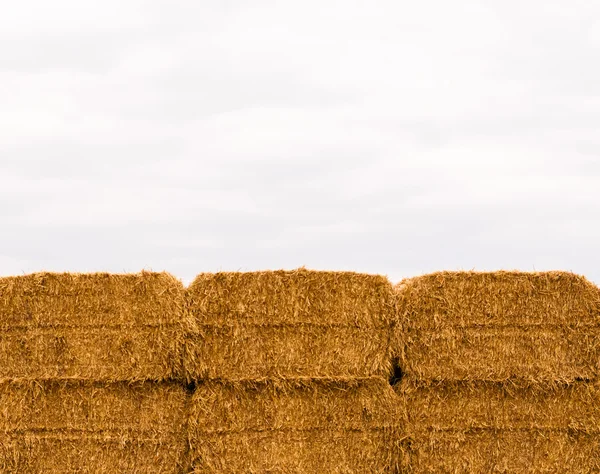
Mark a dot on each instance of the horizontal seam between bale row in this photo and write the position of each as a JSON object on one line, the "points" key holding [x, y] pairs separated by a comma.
{"points": [[6, 379], [116, 327], [503, 326], [174, 384], [522, 387], [298, 430], [291, 324], [489, 429], [116, 439], [72, 365], [575, 325], [291, 380], [109, 431], [523, 383]]}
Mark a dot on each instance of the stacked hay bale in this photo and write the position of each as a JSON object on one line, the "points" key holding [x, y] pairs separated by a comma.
{"points": [[501, 372], [292, 371], [86, 369]]}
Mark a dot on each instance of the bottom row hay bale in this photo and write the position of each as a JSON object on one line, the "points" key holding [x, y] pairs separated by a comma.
{"points": [[499, 427], [296, 427], [245, 352], [60, 427], [486, 451], [289, 324]]}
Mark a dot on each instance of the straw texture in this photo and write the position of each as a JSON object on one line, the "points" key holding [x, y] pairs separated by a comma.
{"points": [[503, 406], [538, 327], [501, 372], [289, 324], [91, 326], [296, 427], [503, 427], [68, 427], [514, 451]]}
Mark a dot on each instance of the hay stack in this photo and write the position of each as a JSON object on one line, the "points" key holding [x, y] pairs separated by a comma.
{"points": [[48, 427], [289, 324], [499, 427], [296, 427], [498, 326], [91, 326]]}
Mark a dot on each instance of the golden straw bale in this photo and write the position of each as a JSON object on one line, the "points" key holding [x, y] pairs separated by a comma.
{"points": [[96, 326], [534, 354], [516, 451], [499, 427], [498, 406], [82, 426], [498, 326], [289, 324], [296, 427]]}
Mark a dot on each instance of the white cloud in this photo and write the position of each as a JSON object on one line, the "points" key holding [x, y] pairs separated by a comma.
{"points": [[392, 138]]}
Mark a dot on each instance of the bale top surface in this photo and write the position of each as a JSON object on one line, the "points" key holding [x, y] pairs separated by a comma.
{"points": [[499, 298], [288, 297]]}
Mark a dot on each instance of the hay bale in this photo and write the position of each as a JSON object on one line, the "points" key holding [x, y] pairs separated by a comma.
{"points": [[499, 326], [483, 451], [58, 427], [281, 324], [502, 406], [91, 326], [296, 427], [499, 427]]}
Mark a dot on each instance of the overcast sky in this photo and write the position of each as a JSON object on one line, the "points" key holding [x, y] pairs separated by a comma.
{"points": [[388, 137]]}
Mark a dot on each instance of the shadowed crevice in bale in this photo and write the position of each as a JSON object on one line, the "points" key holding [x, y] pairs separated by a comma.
{"points": [[190, 387]]}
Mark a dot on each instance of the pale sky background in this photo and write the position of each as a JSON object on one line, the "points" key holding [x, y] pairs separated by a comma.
{"points": [[387, 137]]}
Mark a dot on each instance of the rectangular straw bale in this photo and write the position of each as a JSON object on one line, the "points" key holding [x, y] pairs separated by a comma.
{"points": [[515, 451], [96, 326], [499, 427], [296, 427], [497, 326], [60, 427], [502, 406], [297, 323]]}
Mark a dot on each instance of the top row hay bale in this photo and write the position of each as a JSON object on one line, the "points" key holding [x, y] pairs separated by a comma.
{"points": [[499, 326], [479, 426], [98, 326], [289, 324]]}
